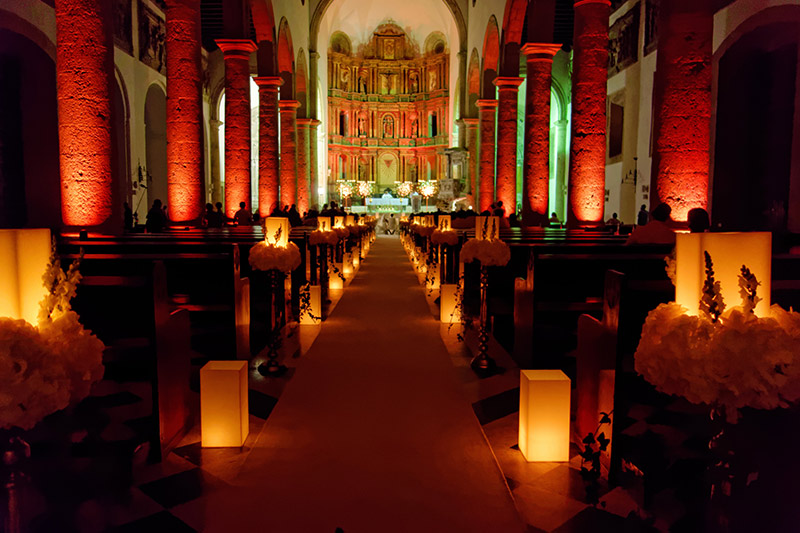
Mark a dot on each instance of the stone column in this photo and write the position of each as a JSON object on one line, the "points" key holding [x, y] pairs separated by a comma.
{"points": [[304, 164], [313, 163], [470, 126], [487, 111], [536, 148], [268, 160], [237, 122], [288, 110], [587, 164], [84, 70], [184, 111], [682, 106], [508, 87]]}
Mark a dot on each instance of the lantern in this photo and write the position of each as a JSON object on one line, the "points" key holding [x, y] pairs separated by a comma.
{"points": [[728, 253], [448, 309], [24, 256], [544, 415], [314, 307], [324, 224], [338, 222], [444, 223], [276, 231], [430, 221], [224, 415], [487, 228], [350, 220], [335, 282]]}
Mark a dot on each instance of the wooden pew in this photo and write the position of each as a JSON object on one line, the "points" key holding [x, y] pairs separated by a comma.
{"points": [[146, 340]]}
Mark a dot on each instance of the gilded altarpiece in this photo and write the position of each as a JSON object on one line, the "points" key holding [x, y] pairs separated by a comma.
{"points": [[388, 110]]}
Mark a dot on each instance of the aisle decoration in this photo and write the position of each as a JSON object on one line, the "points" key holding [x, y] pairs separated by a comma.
{"points": [[705, 349], [444, 233], [486, 248], [46, 367], [277, 256]]}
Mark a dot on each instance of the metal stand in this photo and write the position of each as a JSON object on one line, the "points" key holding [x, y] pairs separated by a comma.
{"points": [[483, 364], [272, 368]]}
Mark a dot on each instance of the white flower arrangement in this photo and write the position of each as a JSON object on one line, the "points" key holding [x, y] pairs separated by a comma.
{"points": [[264, 256], [45, 368], [448, 237], [342, 233], [318, 237], [423, 231], [730, 358], [489, 252]]}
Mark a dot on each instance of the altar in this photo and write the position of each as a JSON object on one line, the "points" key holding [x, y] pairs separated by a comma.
{"points": [[385, 204]]}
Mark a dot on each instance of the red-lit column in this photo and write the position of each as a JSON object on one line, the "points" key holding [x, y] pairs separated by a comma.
{"points": [[536, 148], [237, 122], [471, 140], [682, 106], [84, 66], [487, 111], [288, 109], [268, 159], [313, 163], [587, 162], [303, 164], [184, 111], [507, 87]]}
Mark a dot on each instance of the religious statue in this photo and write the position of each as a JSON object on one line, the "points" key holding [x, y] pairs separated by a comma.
{"points": [[362, 81], [414, 127], [412, 171], [344, 78], [432, 83], [413, 81], [388, 49], [388, 127], [362, 125]]}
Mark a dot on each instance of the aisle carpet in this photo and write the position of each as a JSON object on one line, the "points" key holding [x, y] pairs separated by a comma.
{"points": [[373, 432]]}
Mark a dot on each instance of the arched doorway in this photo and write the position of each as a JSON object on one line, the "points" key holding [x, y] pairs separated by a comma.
{"points": [[155, 133], [29, 153], [756, 99]]}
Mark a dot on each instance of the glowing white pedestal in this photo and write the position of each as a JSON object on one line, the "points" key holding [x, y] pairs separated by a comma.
{"points": [[314, 307], [224, 415], [544, 415], [448, 305]]}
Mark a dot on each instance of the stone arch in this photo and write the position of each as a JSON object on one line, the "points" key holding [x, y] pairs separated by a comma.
{"points": [[340, 43], [435, 43], [263, 18], [473, 83], [491, 58], [301, 84], [155, 129], [285, 56], [122, 179]]}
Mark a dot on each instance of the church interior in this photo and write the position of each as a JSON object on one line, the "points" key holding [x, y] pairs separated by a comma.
{"points": [[430, 265]]}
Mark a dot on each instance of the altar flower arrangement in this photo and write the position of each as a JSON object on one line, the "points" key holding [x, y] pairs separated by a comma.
{"points": [[448, 237], [267, 256], [318, 237], [47, 367], [729, 358], [405, 188]]}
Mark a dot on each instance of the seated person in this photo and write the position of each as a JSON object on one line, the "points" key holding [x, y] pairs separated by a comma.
{"points": [[243, 217], [554, 219], [656, 231], [613, 221]]}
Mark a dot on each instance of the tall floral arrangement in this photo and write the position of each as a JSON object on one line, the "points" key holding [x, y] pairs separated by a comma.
{"points": [[45, 368], [724, 357]]}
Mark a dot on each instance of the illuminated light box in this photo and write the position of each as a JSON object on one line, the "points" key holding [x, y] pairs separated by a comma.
{"points": [[24, 256], [314, 307], [728, 251], [429, 221], [433, 277], [335, 282], [448, 310], [356, 261], [224, 416], [338, 222], [487, 228], [350, 220], [324, 224], [445, 223], [347, 266], [544, 415], [276, 231]]}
